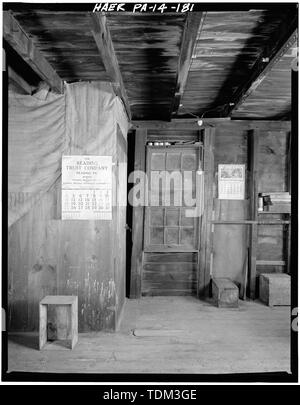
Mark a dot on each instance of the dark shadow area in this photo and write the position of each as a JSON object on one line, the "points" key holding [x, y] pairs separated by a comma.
{"points": [[130, 169], [294, 218], [20, 66], [47, 37], [30, 340]]}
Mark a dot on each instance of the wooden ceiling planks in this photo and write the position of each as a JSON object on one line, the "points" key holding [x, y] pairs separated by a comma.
{"points": [[226, 50], [147, 48], [66, 40]]}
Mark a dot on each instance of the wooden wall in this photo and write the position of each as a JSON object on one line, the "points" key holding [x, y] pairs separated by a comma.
{"points": [[229, 246], [273, 175], [167, 273], [50, 256], [230, 241], [72, 257]]}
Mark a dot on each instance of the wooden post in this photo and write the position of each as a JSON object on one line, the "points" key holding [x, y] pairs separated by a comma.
{"points": [[138, 220], [205, 247], [253, 194], [293, 259], [74, 323], [42, 326], [289, 188]]}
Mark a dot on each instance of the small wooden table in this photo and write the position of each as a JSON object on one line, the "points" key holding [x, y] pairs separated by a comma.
{"points": [[66, 304]]}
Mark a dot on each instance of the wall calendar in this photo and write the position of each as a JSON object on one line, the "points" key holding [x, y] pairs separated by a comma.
{"points": [[231, 182], [87, 187]]}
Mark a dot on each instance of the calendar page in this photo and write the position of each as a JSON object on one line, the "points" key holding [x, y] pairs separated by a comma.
{"points": [[87, 187], [231, 182]]}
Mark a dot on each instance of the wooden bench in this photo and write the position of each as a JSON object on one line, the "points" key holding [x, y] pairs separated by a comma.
{"points": [[225, 293], [275, 289], [66, 322]]}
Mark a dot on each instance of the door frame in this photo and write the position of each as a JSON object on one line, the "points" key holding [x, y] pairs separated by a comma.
{"points": [[205, 225]]}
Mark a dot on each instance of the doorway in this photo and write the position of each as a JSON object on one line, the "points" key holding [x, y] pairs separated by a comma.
{"points": [[171, 232]]}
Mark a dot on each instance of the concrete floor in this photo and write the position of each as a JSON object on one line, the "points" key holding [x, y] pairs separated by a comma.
{"points": [[170, 335]]}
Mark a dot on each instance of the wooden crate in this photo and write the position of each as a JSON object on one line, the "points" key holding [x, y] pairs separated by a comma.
{"points": [[275, 289], [225, 293], [67, 319]]}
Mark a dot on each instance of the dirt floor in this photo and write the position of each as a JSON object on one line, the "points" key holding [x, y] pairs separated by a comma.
{"points": [[170, 335]]}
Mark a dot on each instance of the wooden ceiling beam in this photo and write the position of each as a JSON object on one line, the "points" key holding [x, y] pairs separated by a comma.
{"points": [[105, 46], [193, 25], [191, 124], [17, 38], [267, 60], [17, 81]]}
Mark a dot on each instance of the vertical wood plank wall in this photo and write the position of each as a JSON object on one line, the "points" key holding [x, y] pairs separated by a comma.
{"points": [[224, 250], [49, 256], [269, 143], [167, 273]]}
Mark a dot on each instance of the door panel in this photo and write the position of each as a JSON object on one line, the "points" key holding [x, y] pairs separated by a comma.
{"points": [[169, 274], [170, 235], [167, 228]]}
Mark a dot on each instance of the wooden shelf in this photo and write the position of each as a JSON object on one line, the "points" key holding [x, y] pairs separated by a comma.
{"points": [[251, 222], [273, 213]]}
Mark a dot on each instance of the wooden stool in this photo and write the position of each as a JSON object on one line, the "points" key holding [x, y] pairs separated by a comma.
{"points": [[66, 319], [225, 293], [275, 289]]}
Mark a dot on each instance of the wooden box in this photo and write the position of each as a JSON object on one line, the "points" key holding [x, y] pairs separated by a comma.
{"points": [[275, 289], [225, 293]]}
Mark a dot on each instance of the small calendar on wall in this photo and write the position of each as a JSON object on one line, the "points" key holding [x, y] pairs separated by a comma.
{"points": [[231, 182], [87, 187]]}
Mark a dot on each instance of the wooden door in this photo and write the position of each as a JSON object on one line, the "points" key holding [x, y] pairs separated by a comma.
{"points": [[170, 234]]}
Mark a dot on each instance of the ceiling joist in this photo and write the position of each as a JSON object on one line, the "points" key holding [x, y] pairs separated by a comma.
{"points": [[271, 55], [105, 46], [17, 81], [17, 38], [192, 124], [192, 26]]}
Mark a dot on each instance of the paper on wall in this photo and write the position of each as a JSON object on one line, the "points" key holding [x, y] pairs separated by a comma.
{"points": [[231, 181], [87, 187]]}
